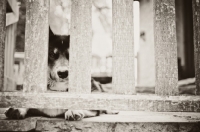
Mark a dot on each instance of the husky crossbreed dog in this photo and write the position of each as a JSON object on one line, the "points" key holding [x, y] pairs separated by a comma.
{"points": [[58, 63]]}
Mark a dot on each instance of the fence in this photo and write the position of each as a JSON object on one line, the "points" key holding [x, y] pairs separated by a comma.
{"points": [[124, 97]]}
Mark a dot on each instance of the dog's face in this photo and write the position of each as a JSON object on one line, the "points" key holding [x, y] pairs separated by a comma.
{"points": [[58, 62]]}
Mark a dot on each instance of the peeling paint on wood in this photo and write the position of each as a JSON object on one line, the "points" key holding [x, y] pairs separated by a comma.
{"points": [[2, 41], [36, 46], [165, 47], [196, 28], [101, 101], [123, 47], [80, 47]]}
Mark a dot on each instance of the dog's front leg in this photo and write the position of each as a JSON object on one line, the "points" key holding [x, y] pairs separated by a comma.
{"points": [[75, 115]]}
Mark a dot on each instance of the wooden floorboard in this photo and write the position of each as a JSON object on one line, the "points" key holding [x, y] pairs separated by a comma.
{"points": [[129, 120]]}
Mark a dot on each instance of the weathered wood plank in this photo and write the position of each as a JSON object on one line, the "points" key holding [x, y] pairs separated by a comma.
{"points": [[62, 125], [2, 40], [178, 120], [101, 101], [27, 124], [36, 45], [165, 47], [196, 28], [123, 48], [115, 126], [80, 47]]}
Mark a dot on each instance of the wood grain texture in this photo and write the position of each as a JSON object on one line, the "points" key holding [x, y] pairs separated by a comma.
{"points": [[100, 101], [2, 41], [157, 121], [58, 125], [18, 125], [36, 46], [123, 47], [80, 47], [165, 47], [196, 28]]}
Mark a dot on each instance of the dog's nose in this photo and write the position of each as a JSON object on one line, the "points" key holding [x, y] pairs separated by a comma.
{"points": [[62, 74]]}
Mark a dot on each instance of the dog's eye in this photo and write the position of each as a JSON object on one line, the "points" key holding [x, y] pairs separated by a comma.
{"points": [[54, 54]]}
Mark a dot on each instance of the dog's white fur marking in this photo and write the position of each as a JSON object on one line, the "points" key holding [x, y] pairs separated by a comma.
{"points": [[55, 51], [53, 112], [23, 112], [59, 86]]}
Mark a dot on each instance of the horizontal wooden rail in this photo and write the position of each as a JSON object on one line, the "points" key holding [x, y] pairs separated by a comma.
{"points": [[100, 101]]}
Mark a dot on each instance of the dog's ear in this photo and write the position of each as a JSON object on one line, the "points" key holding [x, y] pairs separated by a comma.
{"points": [[51, 34]]}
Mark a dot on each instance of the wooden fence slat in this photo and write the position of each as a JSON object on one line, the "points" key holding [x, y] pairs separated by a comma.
{"points": [[2, 41], [64, 100], [36, 45], [123, 47], [196, 28], [165, 47], [80, 47]]}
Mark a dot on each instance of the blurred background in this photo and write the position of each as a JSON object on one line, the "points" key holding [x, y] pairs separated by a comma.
{"points": [[102, 39]]}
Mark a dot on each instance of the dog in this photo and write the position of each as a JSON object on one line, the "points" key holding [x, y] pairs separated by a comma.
{"points": [[58, 67]]}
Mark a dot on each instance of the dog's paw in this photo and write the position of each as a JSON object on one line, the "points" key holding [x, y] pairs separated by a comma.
{"points": [[13, 113], [74, 115], [111, 112]]}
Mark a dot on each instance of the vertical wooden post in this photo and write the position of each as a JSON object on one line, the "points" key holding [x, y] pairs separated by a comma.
{"points": [[80, 47], [123, 47], [196, 28], [36, 45], [2, 41], [165, 47]]}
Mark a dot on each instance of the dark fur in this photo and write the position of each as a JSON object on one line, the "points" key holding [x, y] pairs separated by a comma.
{"points": [[58, 63]]}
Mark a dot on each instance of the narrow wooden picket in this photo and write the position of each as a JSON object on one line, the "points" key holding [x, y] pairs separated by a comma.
{"points": [[36, 46], [165, 47], [123, 47], [80, 47], [2, 41], [196, 28]]}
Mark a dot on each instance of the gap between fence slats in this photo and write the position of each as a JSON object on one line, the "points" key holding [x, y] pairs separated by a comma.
{"points": [[36, 46], [165, 47], [123, 47], [80, 47], [196, 28], [2, 41]]}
